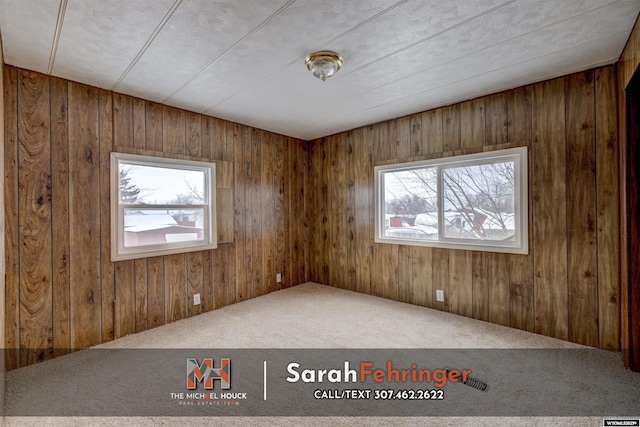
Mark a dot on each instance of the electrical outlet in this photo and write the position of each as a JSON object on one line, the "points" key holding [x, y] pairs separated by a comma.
{"points": [[439, 295], [196, 299], [279, 277]]}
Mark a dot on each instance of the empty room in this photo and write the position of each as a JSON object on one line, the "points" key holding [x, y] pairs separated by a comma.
{"points": [[297, 212]]}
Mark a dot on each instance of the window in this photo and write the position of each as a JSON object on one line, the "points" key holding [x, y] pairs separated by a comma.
{"points": [[160, 206], [475, 202]]}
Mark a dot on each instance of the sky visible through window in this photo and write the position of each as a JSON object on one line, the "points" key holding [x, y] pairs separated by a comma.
{"points": [[161, 185]]}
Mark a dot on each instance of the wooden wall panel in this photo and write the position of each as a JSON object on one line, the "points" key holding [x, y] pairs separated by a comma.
{"points": [[84, 215], [567, 286], [69, 295], [2, 239], [385, 257], [363, 170], [549, 226], [155, 266], [107, 268], [279, 209], [141, 288], [34, 181], [12, 239], [60, 216], [268, 214], [608, 201], [256, 273], [124, 281], [627, 66], [582, 265], [337, 196]]}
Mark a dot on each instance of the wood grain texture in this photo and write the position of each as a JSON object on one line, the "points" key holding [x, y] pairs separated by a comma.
{"points": [[480, 283], [415, 136], [237, 139], [107, 269], [403, 137], [626, 67], [350, 230], [405, 274], [549, 226], [125, 271], [608, 200], [141, 291], [34, 181], [519, 114], [582, 265], [155, 266], [420, 289], [451, 128], [496, 119], [521, 292], [256, 273], [432, 131], [67, 133], [461, 282], [84, 214], [384, 274], [529, 292], [499, 295], [268, 219], [441, 278], [537, 285], [280, 208], [472, 121], [11, 206], [246, 169], [60, 216], [337, 195], [363, 170]]}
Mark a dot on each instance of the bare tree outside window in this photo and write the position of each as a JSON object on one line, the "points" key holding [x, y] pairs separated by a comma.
{"points": [[469, 198]]}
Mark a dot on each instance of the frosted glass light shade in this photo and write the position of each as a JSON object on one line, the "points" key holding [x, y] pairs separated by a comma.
{"points": [[323, 64]]}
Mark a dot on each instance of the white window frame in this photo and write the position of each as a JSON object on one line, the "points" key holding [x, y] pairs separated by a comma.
{"points": [[521, 216], [118, 251]]}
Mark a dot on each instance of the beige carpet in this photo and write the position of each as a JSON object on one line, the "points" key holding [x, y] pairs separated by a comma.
{"points": [[313, 316]]}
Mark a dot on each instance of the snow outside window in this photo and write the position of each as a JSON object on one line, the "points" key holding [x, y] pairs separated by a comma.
{"points": [[160, 206], [475, 202]]}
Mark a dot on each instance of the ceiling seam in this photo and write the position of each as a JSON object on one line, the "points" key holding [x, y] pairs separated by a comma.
{"points": [[471, 53], [56, 37], [365, 22], [148, 43], [545, 77], [236, 44], [453, 27], [439, 33], [350, 30]]}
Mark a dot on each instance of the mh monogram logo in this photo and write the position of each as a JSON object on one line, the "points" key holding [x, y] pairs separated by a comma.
{"points": [[206, 372]]}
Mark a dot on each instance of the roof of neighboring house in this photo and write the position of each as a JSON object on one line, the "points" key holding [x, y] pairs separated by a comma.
{"points": [[147, 219]]}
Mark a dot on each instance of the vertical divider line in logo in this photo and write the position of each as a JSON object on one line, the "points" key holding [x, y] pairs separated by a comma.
{"points": [[264, 393]]}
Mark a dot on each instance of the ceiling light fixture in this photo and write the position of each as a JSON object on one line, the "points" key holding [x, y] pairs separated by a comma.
{"points": [[323, 64]]}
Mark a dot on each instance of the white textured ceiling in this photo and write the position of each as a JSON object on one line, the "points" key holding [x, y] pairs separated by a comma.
{"points": [[244, 60]]}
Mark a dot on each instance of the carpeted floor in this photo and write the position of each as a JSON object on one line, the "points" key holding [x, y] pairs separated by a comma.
{"points": [[313, 316]]}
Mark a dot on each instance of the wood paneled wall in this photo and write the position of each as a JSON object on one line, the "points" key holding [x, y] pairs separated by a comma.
{"points": [[627, 67], [566, 287], [2, 261], [62, 291]]}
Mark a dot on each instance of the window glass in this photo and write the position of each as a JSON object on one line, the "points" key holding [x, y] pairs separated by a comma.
{"points": [[161, 206], [476, 202]]}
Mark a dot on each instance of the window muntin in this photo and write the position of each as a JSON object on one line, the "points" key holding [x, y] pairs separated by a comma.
{"points": [[161, 206], [476, 202]]}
